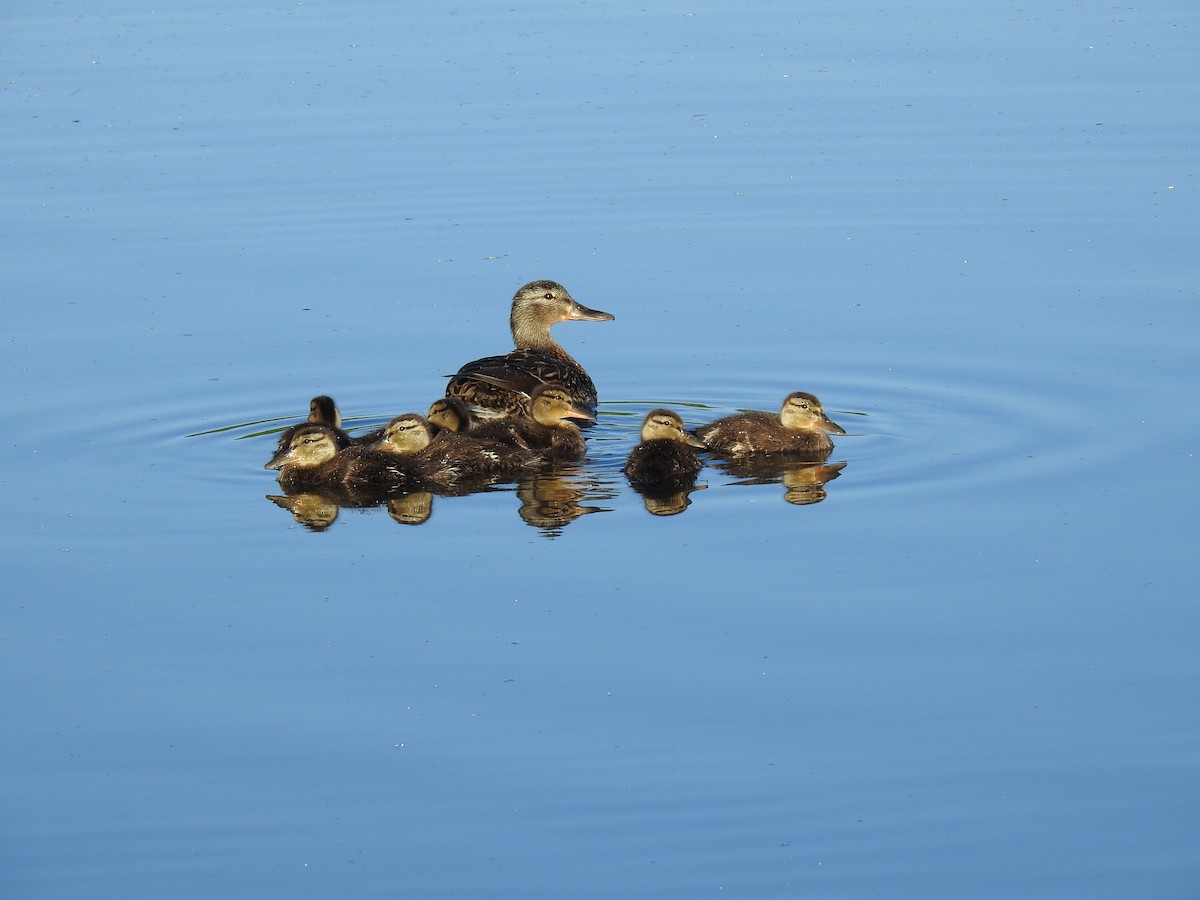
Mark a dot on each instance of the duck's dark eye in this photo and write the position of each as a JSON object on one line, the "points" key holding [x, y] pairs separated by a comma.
{"points": [[548, 296]]}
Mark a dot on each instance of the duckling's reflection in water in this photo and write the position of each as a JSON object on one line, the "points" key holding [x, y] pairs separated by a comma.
{"points": [[317, 509], [316, 506], [660, 503], [805, 483], [411, 509], [553, 499], [803, 479], [314, 511], [550, 498]]}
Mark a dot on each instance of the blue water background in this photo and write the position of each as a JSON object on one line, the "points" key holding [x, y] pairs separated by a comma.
{"points": [[970, 671]]}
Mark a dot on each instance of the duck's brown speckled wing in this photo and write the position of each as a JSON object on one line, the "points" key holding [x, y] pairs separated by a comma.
{"points": [[504, 383]]}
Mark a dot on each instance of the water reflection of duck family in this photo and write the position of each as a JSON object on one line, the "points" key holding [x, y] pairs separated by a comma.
{"points": [[512, 419]]}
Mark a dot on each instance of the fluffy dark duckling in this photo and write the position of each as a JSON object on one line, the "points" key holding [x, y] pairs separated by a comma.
{"points": [[497, 386], [800, 427], [321, 411], [450, 414], [547, 430], [448, 456], [665, 456], [315, 458]]}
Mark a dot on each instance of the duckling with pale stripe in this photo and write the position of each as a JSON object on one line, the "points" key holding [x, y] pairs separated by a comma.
{"points": [[665, 457], [800, 428]]}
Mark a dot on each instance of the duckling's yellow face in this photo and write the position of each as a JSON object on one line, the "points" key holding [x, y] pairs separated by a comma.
{"points": [[308, 447], [550, 406], [405, 434], [802, 412], [449, 414], [662, 424]]}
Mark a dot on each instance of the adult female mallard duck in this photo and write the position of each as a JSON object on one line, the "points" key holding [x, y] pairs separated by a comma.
{"points": [[314, 457], [665, 456], [547, 430], [448, 456], [800, 427], [497, 386]]}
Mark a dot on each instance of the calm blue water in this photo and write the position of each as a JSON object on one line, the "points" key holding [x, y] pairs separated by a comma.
{"points": [[968, 671]]}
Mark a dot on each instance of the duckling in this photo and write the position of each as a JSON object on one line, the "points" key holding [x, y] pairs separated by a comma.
{"points": [[665, 456], [497, 386], [450, 414], [323, 411], [449, 456], [799, 428], [547, 430], [314, 458]]}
